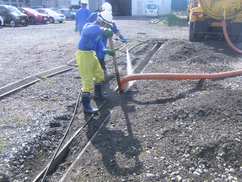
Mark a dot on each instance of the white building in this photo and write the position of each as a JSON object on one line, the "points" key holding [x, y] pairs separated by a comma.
{"points": [[138, 6], [131, 7], [120, 7]]}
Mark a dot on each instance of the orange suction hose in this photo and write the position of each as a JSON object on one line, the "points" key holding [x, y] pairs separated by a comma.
{"points": [[180, 76], [176, 76], [228, 40]]}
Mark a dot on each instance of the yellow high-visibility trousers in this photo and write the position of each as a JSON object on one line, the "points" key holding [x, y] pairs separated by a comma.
{"points": [[89, 68]]}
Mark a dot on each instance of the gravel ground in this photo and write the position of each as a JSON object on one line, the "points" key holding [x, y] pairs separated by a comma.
{"points": [[171, 130]]}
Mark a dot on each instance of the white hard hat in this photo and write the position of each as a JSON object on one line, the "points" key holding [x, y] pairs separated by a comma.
{"points": [[84, 2], [105, 17], [106, 7]]}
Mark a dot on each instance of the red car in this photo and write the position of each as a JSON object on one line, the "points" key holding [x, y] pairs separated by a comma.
{"points": [[34, 16]]}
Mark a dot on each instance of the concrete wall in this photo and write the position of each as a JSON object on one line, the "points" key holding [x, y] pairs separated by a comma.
{"points": [[64, 3], [75, 2], [48, 3], [138, 6], [94, 5], [35, 3], [55, 3], [16, 3]]}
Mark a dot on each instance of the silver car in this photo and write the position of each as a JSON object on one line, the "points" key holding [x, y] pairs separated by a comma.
{"points": [[151, 10], [68, 13], [1, 21], [52, 15]]}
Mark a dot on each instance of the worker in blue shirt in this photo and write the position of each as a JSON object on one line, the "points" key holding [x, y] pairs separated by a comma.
{"points": [[81, 15], [92, 18], [88, 65]]}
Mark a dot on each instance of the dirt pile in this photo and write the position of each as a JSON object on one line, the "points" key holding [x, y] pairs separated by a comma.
{"points": [[169, 130]]}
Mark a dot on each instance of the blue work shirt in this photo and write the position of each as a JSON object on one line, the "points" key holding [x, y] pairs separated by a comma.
{"points": [[81, 15], [91, 38], [93, 18]]}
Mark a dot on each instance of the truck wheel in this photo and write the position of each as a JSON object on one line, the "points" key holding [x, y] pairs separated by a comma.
{"points": [[232, 38], [235, 28], [239, 39], [12, 23], [191, 34], [198, 37]]}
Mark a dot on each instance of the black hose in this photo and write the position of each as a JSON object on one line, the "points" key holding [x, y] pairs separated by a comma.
{"points": [[74, 113]]}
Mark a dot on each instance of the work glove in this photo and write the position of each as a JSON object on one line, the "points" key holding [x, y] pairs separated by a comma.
{"points": [[122, 38], [76, 29], [110, 53], [108, 32]]}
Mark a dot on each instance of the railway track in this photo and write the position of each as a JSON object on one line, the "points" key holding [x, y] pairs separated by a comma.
{"points": [[63, 149], [20, 84], [89, 129]]}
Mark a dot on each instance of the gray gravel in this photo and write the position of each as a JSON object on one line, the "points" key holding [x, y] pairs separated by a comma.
{"points": [[28, 114], [27, 51]]}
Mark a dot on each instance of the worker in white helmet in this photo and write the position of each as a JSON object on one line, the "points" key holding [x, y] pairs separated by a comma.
{"points": [[81, 15], [88, 65], [105, 7]]}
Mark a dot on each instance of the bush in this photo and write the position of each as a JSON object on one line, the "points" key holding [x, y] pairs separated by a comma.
{"points": [[172, 20]]}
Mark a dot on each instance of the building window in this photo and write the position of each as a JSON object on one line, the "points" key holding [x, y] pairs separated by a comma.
{"points": [[5, 0], [20, 1], [13, 0]]}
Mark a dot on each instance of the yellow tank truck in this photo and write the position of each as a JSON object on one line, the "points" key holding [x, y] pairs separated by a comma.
{"points": [[206, 16]]}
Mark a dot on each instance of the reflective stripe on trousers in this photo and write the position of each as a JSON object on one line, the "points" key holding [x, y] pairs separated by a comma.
{"points": [[89, 68]]}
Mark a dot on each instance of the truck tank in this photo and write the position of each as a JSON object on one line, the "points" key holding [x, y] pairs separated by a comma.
{"points": [[206, 16]]}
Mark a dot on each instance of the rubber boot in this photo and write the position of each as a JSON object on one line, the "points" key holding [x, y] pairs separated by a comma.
{"points": [[86, 103], [98, 91]]}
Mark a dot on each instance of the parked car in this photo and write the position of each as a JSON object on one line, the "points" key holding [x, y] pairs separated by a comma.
{"points": [[151, 10], [68, 13], [74, 8], [52, 15], [13, 16], [35, 7], [34, 16], [1, 21]]}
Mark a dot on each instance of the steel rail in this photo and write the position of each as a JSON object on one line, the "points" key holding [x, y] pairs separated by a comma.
{"points": [[140, 67], [12, 87], [58, 156], [84, 149]]}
